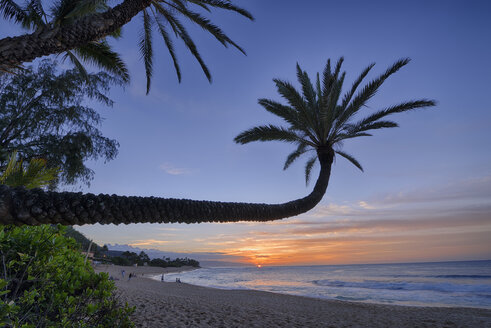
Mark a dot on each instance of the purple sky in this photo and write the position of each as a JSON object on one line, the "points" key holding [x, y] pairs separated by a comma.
{"points": [[426, 191]]}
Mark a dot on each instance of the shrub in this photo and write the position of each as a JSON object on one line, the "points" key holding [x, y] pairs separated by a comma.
{"points": [[46, 283]]}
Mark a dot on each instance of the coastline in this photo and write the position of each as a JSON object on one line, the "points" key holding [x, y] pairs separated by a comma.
{"points": [[171, 304]]}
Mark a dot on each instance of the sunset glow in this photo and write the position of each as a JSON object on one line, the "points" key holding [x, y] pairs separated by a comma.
{"points": [[445, 223]]}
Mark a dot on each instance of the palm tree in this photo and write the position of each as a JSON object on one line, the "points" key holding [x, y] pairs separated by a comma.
{"points": [[318, 119], [319, 122], [34, 16], [78, 28]]}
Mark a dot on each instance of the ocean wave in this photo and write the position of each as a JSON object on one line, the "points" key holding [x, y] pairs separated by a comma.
{"points": [[463, 276], [409, 286], [444, 276]]}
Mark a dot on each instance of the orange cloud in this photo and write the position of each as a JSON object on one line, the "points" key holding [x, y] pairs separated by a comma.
{"points": [[153, 242]]}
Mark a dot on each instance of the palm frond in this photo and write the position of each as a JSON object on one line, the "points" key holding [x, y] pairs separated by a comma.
{"points": [[100, 54], [146, 49], [330, 77], [208, 26], [308, 168], [78, 65], [331, 88], [374, 126], [288, 91], [34, 14], [372, 87], [117, 34], [307, 87], [368, 92], [10, 169], [85, 7], [337, 70], [170, 46], [297, 102], [318, 89], [402, 107], [59, 11], [285, 112], [301, 149], [347, 97], [350, 158], [330, 109], [344, 136], [269, 133], [200, 4], [227, 5], [34, 175], [326, 75], [12, 11], [182, 33]]}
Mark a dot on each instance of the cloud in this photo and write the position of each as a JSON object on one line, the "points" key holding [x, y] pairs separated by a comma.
{"points": [[479, 217], [464, 196], [171, 169], [472, 188], [448, 222], [154, 242]]}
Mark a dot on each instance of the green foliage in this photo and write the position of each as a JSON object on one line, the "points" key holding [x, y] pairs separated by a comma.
{"points": [[45, 283], [319, 119], [130, 258], [119, 260], [178, 262], [43, 115], [83, 241]]}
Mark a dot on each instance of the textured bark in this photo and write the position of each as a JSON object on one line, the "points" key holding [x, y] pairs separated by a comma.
{"points": [[33, 207], [53, 40]]}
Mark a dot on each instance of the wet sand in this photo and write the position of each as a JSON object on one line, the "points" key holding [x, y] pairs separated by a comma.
{"points": [[169, 304]]}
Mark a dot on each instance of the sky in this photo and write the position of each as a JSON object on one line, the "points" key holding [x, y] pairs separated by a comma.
{"points": [[425, 194]]}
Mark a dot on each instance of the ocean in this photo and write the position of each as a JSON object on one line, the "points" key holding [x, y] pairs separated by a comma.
{"points": [[460, 284]]}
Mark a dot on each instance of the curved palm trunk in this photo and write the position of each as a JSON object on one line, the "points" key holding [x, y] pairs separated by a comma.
{"points": [[52, 40], [33, 207]]}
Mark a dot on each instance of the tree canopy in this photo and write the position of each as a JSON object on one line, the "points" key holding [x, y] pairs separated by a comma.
{"points": [[46, 114], [320, 120]]}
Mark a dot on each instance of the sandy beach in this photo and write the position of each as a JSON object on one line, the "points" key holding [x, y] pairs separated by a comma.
{"points": [[169, 304]]}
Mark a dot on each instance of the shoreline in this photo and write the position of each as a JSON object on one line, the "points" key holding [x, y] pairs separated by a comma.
{"points": [[173, 304], [338, 300]]}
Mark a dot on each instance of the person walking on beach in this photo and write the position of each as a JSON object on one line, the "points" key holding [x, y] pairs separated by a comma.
{"points": [[122, 273], [162, 278], [130, 276]]}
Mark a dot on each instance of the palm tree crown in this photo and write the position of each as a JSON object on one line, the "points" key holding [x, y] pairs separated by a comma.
{"points": [[320, 120], [164, 17]]}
